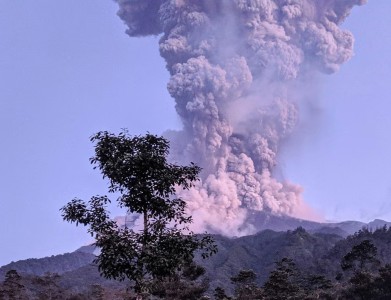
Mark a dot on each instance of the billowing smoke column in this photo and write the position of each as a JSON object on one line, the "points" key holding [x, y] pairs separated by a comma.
{"points": [[237, 68]]}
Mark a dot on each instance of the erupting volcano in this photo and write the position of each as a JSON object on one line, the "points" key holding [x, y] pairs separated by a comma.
{"points": [[238, 71]]}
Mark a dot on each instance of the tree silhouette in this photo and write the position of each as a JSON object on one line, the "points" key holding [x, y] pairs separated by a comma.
{"points": [[13, 288], [283, 282], [137, 169], [361, 257], [360, 261], [245, 286]]}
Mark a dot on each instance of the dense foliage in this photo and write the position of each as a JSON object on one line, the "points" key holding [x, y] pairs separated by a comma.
{"points": [[305, 267], [361, 273], [137, 169]]}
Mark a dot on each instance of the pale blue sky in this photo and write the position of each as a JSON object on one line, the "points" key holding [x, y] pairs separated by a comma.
{"points": [[67, 70]]}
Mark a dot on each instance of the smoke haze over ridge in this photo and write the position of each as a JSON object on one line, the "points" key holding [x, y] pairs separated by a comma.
{"points": [[236, 69]]}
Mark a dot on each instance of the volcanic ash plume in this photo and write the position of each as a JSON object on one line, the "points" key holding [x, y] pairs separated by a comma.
{"points": [[236, 67]]}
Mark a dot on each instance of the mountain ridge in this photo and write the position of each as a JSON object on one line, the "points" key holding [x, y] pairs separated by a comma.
{"points": [[318, 248], [261, 220]]}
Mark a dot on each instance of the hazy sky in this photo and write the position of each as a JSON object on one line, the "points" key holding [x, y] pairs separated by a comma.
{"points": [[67, 70]]}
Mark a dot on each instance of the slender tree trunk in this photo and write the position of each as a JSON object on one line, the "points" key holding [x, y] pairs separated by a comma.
{"points": [[145, 229], [141, 283]]}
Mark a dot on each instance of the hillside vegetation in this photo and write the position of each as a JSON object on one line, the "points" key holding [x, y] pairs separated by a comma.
{"points": [[312, 261]]}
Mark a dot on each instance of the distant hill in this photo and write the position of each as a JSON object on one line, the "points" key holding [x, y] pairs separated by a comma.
{"points": [[261, 220], [257, 252], [54, 264], [315, 248]]}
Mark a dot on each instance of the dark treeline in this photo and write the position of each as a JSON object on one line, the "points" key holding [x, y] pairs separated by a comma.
{"points": [[305, 266]]}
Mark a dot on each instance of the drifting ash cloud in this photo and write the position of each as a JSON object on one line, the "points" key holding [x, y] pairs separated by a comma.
{"points": [[237, 69]]}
